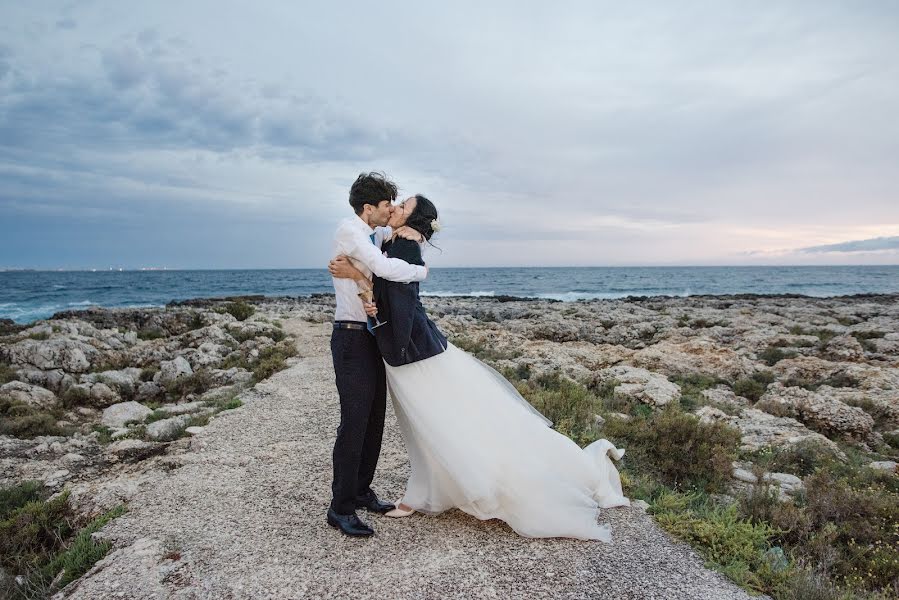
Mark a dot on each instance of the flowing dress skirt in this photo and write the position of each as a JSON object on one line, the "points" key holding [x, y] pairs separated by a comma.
{"points": [[475, 444]]}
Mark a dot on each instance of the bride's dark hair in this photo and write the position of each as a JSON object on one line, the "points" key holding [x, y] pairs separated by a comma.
{"points": [[420, 220]]}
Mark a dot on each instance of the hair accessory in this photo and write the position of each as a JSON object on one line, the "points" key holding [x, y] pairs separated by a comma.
{"points": [[435, 225]]}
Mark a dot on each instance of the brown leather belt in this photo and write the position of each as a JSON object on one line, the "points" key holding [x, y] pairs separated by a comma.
{"points": [[350, 325]]}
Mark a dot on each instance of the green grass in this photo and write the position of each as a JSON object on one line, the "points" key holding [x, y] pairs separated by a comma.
{"points": [[25, 421], [7, 373], [692, 387], [41, 542], [677, 449], [729, 542], [104, 434], [569, 405]]}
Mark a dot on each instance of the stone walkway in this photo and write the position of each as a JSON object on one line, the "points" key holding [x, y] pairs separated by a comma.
{"points": [[242, 515]]}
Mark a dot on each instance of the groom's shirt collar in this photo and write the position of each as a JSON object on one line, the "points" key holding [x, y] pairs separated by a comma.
{"points": [[362, 225]]}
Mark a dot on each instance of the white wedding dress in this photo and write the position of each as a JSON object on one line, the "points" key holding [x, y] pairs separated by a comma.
{"points": [[475, 444]]}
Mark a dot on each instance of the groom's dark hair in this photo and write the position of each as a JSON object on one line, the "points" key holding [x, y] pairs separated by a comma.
{"points": [[371, 188]]}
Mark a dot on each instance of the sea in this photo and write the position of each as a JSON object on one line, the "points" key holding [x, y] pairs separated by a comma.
{"points": [[26, 296]]}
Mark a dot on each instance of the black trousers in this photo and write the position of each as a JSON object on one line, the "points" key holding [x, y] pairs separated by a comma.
{"points": [[362, 385]]}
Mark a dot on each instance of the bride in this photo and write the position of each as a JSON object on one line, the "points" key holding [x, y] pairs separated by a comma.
{"points": [[474, 443]]}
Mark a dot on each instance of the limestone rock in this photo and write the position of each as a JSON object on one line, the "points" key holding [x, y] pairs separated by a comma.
{"points": [[171, 370], [641, 385], [890, 466], [824, 414], [694, 356], [710, 414], [119, 414], [744, 475], [166, 429], [843, 348], [148, 391], [103, 395], [71, 356], [123, 381], [133, 450], [759, 429], [27, 393], [724, 396], [180, 409]]}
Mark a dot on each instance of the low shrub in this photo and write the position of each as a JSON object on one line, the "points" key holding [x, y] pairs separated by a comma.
{"points": [[680, 450], [7, 373], [730, 543], [75, 396], [152, 333], [24, 421], [240, 310], [892, 438], [148, 373], [772, 355], [273, 359], [569, 405], [17, 496], [881, 413], [753, 387], [484, 352], [41, 546], [692, 386], [196, 383], [802, 458]]}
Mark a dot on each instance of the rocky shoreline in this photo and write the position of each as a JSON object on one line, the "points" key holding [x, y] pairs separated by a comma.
{"points": [[89, 393], [830, 365], [93, 399]]}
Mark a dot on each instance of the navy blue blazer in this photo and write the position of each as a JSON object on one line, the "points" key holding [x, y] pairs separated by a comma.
{"points": [[409, 335]]}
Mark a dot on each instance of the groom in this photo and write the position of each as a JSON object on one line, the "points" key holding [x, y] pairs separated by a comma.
{"points": [[359, 370]]}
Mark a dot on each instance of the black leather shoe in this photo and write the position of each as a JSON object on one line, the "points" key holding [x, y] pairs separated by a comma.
{"points": [[372, 504], [349, 524]]}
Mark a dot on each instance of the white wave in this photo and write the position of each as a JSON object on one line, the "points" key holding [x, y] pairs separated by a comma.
{"points": [[452, 294], [82, 303]]}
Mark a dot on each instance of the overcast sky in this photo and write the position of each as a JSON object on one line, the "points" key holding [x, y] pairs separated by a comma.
{"points": [[213, 134]]}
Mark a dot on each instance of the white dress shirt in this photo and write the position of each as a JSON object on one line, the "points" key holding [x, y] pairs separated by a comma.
{"points": [[352, 240]]}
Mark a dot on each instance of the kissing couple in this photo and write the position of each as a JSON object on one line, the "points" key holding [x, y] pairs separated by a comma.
{"points": [[474, 443]]}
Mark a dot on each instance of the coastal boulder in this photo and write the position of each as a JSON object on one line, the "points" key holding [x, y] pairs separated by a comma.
{"points": [[118, 415], [72, 356], [123, 381], [806, 368], [694, 356], [759, 430], [843, 348], [26, 393], [55, 380], [639, 384], [822, 413], [167, 429], [171, 370], [102, 395], [723, 396]]}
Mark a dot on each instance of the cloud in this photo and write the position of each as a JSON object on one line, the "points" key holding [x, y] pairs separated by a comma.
{"points": [[869, 245], [651, 134]]}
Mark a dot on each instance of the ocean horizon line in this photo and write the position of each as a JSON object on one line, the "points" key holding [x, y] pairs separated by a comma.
{"points": [[205, 269]]}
